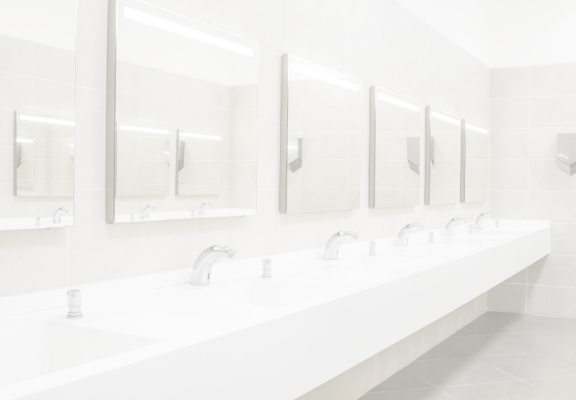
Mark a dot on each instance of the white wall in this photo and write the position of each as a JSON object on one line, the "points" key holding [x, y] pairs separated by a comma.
{"points": [[374, 40], [530, 106], [505, 33]]}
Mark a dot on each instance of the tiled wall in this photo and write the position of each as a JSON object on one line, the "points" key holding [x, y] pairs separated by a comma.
{"points": [[376, 41], [530, 106]]}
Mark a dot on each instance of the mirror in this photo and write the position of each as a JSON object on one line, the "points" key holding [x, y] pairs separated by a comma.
{"points": [[37, 94], [442, 157], [474, 185], [320, 138], [181, 120], [395, 149]]}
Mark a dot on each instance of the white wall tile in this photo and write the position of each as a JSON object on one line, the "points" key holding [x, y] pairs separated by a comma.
{"points": [[509, 174], [510, 112], [511, 144], [510, 82], [509, 204], [507, 297], [553, 270], [551, 301], [551, 80], [553, 111]]}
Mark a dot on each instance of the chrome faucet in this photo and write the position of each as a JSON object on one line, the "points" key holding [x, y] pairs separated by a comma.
{"points": [[451, 225], [146, 211], [333, 245], [58, 214], [202, 208], [205, 261], [405, 232], [483, 217]]}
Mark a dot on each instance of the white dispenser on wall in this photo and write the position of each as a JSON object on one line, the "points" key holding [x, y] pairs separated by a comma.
{"points": [[566, 158]]}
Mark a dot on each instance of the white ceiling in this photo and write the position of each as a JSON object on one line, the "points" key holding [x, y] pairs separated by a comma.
{"points": [[505, 33]]}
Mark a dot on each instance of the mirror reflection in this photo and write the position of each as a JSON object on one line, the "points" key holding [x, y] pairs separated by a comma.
{"points": [[395, 150], [184, 120], [37, 94], [320, 139], [475, 163], [442, 157]]}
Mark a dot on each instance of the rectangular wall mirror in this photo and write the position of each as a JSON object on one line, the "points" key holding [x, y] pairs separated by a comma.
{"points": [[395, 150], [475, 167], [442, 157], [320, 138], [181, 118], [37, 95]]}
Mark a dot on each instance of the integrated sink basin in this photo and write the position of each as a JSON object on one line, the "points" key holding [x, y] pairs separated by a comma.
{"points": [[38, 349]]}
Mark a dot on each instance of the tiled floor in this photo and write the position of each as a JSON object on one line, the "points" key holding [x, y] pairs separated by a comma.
{"points": [[497, 357]]}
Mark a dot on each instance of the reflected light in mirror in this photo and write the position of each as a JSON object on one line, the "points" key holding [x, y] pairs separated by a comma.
{"points": [[45, 120], [325, 77], [24, 140], [143, 129], [182, 30], [445, 118], [398, 102], [194, 135], [476, 128]]}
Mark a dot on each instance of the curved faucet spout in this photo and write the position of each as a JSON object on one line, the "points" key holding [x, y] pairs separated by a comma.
{"points": [[483, 217], [205, 261], [405, 232], [147, 210], [58, 214], [202, 209], [451, 225], [333, 245]]}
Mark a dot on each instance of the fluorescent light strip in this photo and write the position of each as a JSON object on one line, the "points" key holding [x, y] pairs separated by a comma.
{"points": [[193, 135], [24, 140], [398, 102], [444, 118], [324, 77], [143, 129], [476, 128], [54, 121], [182, 30]]}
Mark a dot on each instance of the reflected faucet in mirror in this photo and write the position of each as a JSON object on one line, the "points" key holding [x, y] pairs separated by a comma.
{"points": [[451, 225], [202, 209], [333, 245], [205, 261], [405, 232], [146, 211], [483, 217], [58, 214]]}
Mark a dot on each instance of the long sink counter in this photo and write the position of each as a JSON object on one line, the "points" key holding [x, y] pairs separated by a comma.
{"points": [[246, 337]]}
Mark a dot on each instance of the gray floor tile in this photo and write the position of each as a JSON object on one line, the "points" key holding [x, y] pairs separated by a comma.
{"points": [[519, 324], [531, 366], [564, 388], [497, 391], [472, 329], [457, 371], [420, 394], [402, 380], [486, 345], [552, 341], [443, 350], [557, 324]]}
